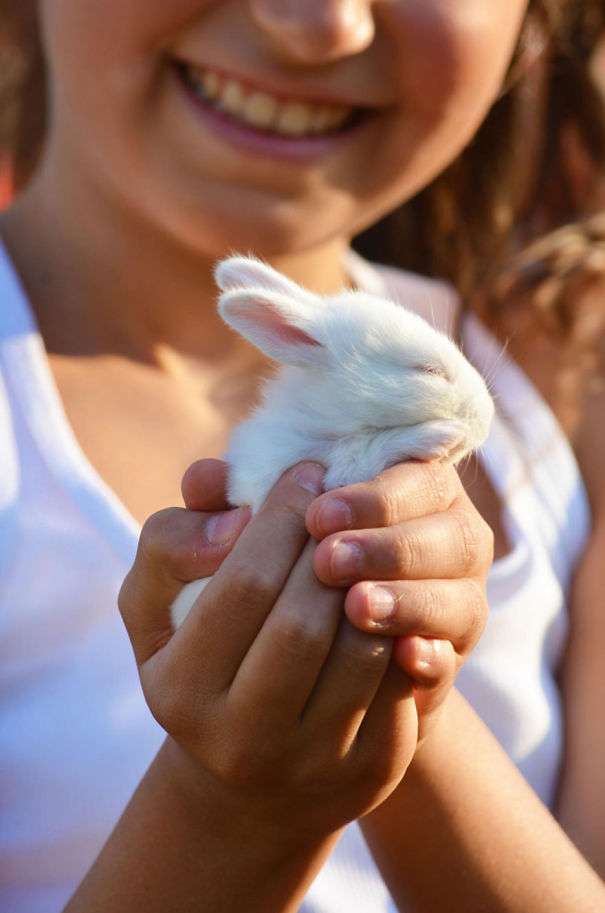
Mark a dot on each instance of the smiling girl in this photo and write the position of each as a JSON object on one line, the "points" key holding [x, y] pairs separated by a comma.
{"points": [[177, 132]]}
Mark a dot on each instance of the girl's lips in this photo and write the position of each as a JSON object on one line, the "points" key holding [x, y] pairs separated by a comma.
{"points": [[257, 142]]}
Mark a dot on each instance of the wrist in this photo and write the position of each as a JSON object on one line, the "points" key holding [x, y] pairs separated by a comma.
{"points": [[271, 862], [230, 814]]}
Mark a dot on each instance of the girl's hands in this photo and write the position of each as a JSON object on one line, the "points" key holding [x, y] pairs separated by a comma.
{"points": [[298, 721], [414, 533]]}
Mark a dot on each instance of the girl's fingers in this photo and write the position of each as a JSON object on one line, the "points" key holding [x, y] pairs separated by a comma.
{"points": [[346, 687], [403, 492], [281, 667], [446, 545], [204, 486], [452, 610], [226, 619], [432, 665], [392, 722], [175, 547], [427, 661]]}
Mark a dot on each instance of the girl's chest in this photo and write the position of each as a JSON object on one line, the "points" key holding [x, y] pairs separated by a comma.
{"points": [[140, 431]]}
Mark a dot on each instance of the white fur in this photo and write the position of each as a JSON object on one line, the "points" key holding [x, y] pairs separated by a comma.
{"points": [[365, 384]]}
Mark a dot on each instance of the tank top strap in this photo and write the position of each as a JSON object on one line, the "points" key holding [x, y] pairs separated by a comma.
{"points": [[16, 318], [32, 399]]}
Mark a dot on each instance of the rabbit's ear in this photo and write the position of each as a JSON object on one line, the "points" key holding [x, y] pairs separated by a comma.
{"points": [[284, 328], [249, 272]]}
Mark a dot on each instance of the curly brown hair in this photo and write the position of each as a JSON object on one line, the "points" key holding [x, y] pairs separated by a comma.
{"points": [[469, 226]]}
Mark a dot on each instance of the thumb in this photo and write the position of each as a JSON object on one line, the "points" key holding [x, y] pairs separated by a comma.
{"points": [[204, 485], [176, 546]]}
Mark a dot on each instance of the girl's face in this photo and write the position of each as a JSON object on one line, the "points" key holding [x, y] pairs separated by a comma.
{"points": [[333, 111]]}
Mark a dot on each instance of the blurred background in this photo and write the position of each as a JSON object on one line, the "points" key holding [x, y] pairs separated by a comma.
{"points": [[17, 18]]}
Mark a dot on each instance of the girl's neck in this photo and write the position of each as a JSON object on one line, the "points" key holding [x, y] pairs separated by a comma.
{"points": [[102, 279]]}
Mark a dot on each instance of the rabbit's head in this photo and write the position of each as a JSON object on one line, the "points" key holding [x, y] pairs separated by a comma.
{"points": [[370, 364]]}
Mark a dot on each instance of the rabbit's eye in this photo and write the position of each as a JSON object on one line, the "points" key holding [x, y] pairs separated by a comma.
{"points": [[433, 370]]}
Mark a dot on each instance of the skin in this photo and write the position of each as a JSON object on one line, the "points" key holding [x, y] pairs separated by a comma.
{"points": [[301, 722], [114, 239], [196, 197]]}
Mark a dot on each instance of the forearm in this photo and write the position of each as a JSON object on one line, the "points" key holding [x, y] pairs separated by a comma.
{"points": [[184, 850], [464, 832]]}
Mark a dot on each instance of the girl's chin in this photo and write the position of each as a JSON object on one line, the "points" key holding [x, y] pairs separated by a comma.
{"points": [[264, 223]]}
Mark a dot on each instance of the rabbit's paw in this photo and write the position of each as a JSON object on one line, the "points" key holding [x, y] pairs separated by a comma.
{"points": [[445, 440]]}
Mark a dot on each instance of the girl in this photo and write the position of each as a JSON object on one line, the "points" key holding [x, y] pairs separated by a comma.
{"points": [[331, 115]]}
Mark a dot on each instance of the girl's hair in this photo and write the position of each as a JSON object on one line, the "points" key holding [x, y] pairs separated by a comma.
{"points": [[472, 225], [22, 88], [469, 226]]}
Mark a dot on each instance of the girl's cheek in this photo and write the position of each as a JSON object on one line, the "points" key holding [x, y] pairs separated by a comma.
{"points": [[115, 26], [103, 54], [452, 53]]}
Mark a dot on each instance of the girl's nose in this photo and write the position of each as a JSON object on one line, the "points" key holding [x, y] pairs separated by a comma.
{"points": [[316, 31]]}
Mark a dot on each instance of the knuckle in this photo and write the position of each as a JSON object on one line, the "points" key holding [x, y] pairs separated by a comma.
{"points": [[365, 654], [469, 551], [250, 586], [168, 708], [479, 528], [161, 524], [430, 606], [316, 770], [442, 483], [298, 636], [158, 533], [477, 607], [243, 759], [408, 549], [384, 504], [486, 535]]}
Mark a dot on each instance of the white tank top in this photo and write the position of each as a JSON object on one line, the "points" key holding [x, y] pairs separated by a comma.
{"points": [[75, 733]]}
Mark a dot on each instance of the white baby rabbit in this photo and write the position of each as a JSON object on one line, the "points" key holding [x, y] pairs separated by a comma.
{"points": [[365, 384]]}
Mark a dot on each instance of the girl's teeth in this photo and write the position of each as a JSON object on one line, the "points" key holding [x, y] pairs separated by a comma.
{"points": [[232, 98], [210, 84], [266, 111], [293, 119], [260, 110]]}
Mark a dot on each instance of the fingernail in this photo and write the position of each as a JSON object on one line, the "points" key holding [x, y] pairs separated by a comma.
{"points": [[427, 651], [334, 515], [310, 476], [347, 560], [221, 528], [381, 603]]}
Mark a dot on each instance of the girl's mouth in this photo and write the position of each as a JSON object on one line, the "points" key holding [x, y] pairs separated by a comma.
{"points": [[267, 115]]}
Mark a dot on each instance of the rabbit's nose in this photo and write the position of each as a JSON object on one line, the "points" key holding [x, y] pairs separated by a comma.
{"points": [[316, 31]]}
